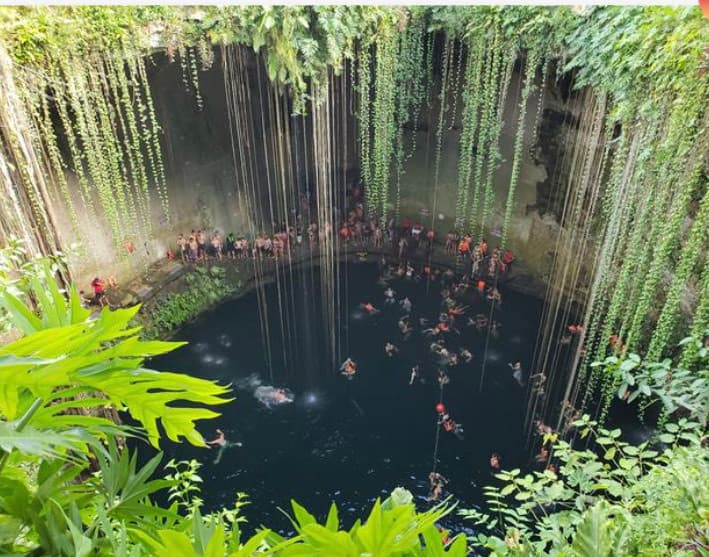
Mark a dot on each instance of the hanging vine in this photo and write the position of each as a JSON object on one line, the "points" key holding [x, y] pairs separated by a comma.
{"points": [[533, 58], [384, 115], [364, 128], [449, 46], [689, 262], [471, 119], [490, 60], [501, 81]]}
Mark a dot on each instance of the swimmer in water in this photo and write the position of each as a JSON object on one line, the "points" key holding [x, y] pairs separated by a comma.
{"points": [[437, 482], [454, 428], [369, 308], [348, 368], [443, 378], [406, 305], [481, 321], [466, 355], [390, 349], [272, 396], [221, 442], [389, 296], [436, 347], [543, 455], [414, 374], [542, 428], [517, 372], [495, 461]]}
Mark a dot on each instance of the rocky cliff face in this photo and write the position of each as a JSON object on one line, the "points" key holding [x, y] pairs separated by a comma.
{"points": [[201, 179]]}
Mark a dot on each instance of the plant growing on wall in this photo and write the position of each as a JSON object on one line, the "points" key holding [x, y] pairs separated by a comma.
{"points": [[531, 64]]}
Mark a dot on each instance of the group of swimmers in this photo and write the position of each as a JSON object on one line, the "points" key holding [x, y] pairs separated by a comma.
{"points": [[447, 324]]}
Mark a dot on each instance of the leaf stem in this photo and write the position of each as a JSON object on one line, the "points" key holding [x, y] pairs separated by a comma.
{"points": [[21, 425]]}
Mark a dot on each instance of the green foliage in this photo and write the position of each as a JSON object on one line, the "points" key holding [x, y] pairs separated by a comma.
{"points": [[73, 365], [618, 499], [299, 43], [678, 389], [392, 528], [18, 271], [205, 286]]}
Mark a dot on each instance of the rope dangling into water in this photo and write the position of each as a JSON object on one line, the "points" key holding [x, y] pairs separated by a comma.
{"points": [[489, 329], [438, 434]]}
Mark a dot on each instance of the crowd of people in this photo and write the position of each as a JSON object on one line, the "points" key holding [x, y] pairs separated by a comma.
{"points": [[441, 331], [479, 268], [352, 228]]}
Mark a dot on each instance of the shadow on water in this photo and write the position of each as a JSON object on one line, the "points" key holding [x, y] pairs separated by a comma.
{"points": [[350, 441]]}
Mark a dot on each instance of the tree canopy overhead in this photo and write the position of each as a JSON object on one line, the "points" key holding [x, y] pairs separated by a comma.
{"points": [[625, 51]]}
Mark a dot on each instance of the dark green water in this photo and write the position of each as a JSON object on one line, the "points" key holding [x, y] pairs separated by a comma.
{"points": [[350, 441]]}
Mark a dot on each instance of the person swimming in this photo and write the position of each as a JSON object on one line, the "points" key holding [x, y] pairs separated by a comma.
{"points": [[436, 482], [495, 296], [414, 374], [406, 305], [390, 349], [454, 428], [389, 296], [495, 461], [369, 308], [348, 368], [272, 396], [517, 372], [542, 428], [542, 455], [405, 327], [221, 442], [466, 355]]}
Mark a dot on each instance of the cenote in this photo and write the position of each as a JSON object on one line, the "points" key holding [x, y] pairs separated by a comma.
{"points": [[272, 185], [350, 441]]}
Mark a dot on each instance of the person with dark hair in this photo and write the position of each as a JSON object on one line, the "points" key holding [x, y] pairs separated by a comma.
{"points": [[99, 288]]}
